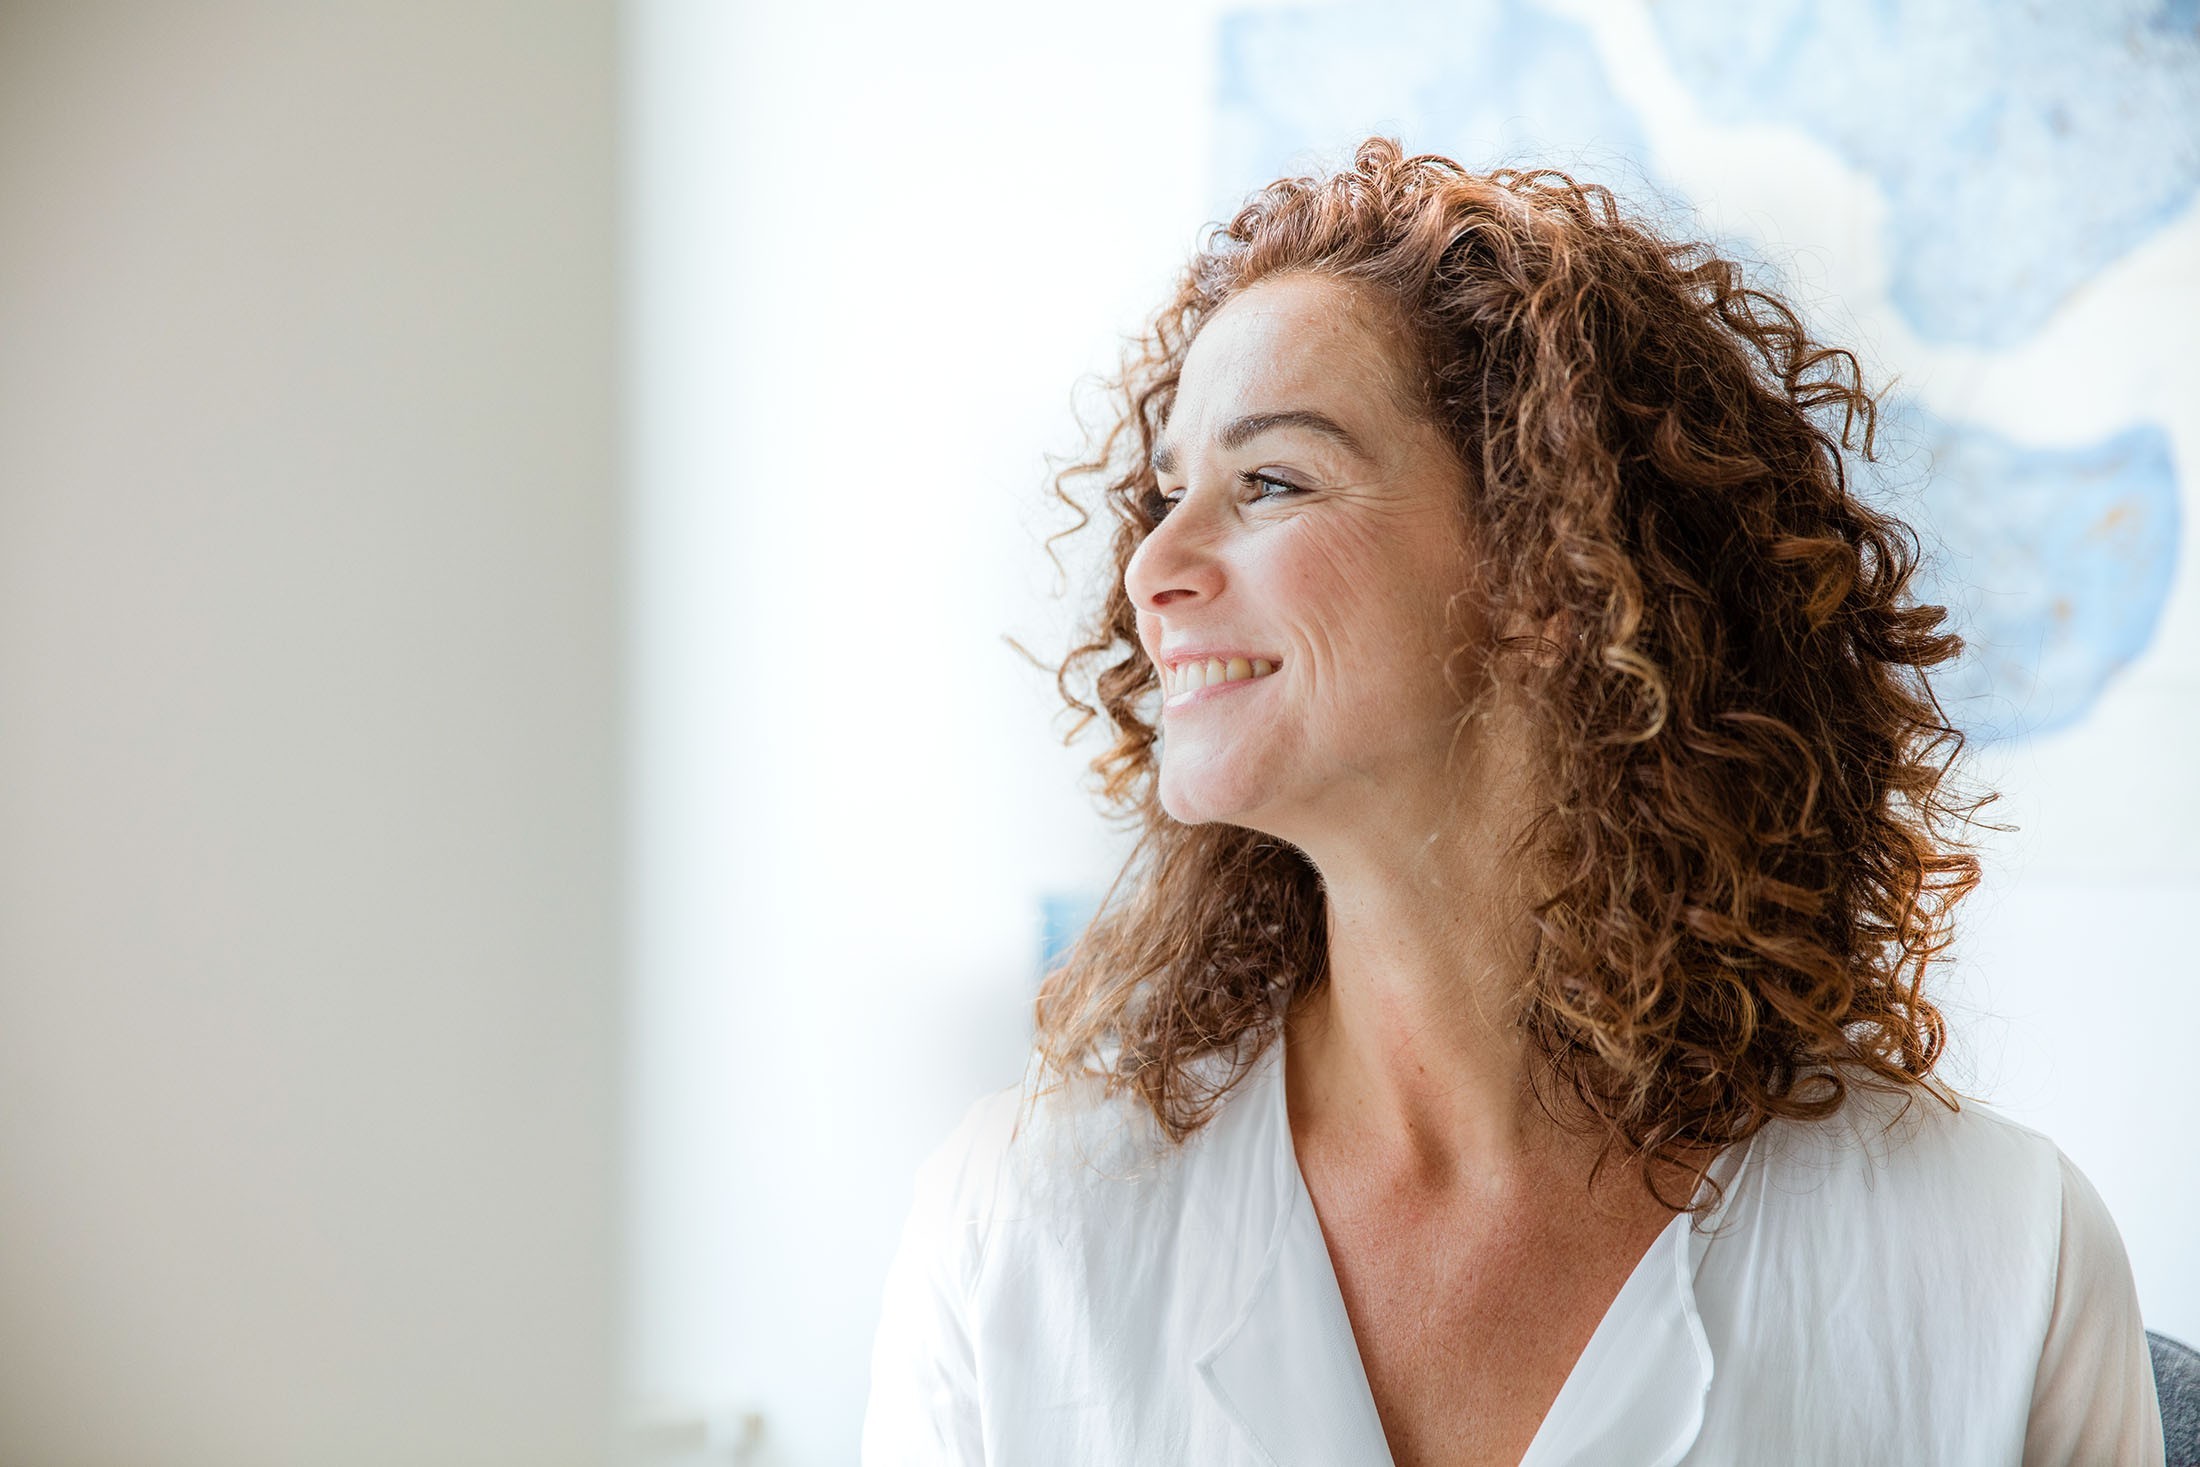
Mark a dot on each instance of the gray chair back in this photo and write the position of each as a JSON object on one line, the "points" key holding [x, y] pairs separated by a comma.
{"points": [[2177, 1383]]}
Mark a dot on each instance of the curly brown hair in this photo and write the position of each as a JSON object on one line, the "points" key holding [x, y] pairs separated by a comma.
{"points": [[1742, 870]]}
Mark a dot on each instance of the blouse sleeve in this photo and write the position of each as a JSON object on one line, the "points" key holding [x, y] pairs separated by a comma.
{"points": [[2093, 1400], [923, 1406]]}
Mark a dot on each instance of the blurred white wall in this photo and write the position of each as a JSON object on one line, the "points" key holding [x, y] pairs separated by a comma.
{"points": [[310, 668], [875, 247]]}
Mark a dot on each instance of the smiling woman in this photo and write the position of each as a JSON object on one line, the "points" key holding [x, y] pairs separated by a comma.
{"points": [[1509, 1040]]}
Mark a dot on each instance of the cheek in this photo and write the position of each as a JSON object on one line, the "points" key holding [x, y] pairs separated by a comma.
{"points": [[1327, 577], [1363, 605], [1371, 617]]}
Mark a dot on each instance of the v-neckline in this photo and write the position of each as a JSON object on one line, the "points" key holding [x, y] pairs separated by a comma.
{"points": [[1572, 1424]]}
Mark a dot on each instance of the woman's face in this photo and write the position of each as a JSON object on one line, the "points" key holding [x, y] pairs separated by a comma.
{"points": [[1314, 528]]}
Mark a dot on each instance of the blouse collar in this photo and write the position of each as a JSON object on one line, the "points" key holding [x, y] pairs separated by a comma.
{"points": [[1285, 1368]]}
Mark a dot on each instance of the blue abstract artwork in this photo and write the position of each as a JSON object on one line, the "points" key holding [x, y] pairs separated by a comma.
{"points": [[2020, 149]]}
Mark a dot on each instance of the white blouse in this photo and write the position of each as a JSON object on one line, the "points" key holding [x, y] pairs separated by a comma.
{"points": [[1946, 1289]]}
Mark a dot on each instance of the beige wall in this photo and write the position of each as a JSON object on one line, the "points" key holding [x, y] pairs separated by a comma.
{"points": [[310, 562]]}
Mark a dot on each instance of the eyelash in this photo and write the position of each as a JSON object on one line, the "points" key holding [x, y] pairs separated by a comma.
{"points": [[1246, 477]]}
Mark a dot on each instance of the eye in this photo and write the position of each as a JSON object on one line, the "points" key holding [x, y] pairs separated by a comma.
{"points": [[1158, 503], [1275, 488]]}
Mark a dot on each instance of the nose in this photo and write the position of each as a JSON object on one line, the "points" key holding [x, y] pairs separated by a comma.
{"points": [[1176, 565]]}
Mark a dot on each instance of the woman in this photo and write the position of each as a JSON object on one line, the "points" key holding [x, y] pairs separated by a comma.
{"points": [[1508, 1042]]}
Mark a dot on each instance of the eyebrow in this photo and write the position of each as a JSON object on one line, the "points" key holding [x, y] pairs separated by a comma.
{"points": [[1238, 432]]}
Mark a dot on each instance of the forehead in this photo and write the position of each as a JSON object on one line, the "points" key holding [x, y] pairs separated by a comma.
{"points": [[1294, 341]]}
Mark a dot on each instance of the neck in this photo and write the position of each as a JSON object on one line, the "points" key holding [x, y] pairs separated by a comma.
{"points": [[1409, 1052]]}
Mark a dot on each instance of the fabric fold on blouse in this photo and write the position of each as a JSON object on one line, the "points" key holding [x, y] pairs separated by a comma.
{"points": [[1880, 1287]]}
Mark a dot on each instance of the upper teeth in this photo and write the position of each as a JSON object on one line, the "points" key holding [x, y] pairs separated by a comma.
{"points": [[1186, 676]]}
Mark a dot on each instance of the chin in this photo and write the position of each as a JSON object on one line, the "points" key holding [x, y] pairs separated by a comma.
{"points": [[1194, 801]]}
